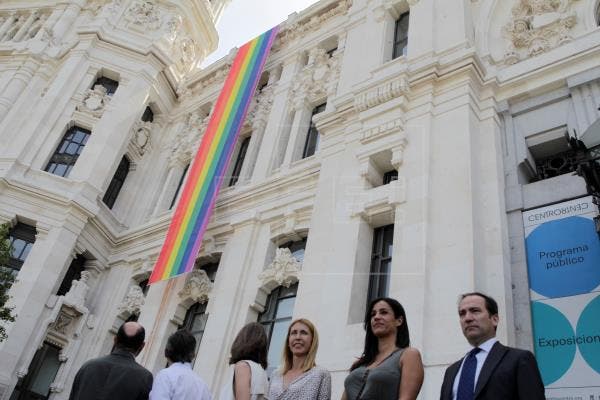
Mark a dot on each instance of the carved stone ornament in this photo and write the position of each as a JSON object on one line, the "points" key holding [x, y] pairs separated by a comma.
{"points": [[78, 292], [317, 80], [188, 138], [133, 301], [538, 26], [283, 271], [197, 287], [301, 28], [145, 14], [94, 101], [258, 112], [141, 136], [63, 320], [380, 94]]}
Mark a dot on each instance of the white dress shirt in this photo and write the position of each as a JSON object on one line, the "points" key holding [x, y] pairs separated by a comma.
{"points": [[179, 382], [481, 357]]}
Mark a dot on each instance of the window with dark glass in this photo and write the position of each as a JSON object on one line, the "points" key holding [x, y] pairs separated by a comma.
{"points": [[148, 115], [21, 238], [40, 375], [73, 274], [144, 286], [109, 84], [211, 270], [239, 161], [116, 183], [276, 318], [390, 176], [381, 262], [312, 136], [68, 151], [181, 179], [195, 321], [401, 36]]}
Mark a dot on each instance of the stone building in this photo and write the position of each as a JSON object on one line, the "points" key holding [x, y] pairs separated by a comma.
{"points": [[391, 148]]}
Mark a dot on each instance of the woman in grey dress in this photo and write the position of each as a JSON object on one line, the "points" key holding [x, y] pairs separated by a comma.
{"points": [[299, 378], [389, 368]]}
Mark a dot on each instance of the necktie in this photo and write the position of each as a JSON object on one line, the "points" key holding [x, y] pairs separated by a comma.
{"points": [[466, 384]]}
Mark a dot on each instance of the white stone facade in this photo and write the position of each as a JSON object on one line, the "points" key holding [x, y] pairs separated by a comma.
{"points": [[456, 117]]}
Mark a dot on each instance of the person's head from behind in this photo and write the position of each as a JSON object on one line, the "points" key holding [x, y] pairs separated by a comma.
{"points": [[130, 337], [181, 347], [478, 314], [250, 344], [302, 341]]}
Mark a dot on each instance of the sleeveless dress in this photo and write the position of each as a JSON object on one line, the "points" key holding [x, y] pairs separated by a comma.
{"points": [[258, 382], [380, 383]]}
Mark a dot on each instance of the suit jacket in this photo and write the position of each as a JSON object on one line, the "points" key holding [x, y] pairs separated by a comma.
{"points": [[114, 377], [506, 374]]}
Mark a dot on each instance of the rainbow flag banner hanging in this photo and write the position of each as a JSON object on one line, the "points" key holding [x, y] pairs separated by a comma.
{"points": [[199, 194]]}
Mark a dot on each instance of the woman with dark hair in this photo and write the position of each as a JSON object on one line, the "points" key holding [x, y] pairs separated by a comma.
{"points": [[178, 381], [247, 379], [389, 368], [299, 378]]}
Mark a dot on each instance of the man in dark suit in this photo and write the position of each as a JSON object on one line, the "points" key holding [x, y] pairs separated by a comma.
{"points": [[116, 376], [490, 371]]}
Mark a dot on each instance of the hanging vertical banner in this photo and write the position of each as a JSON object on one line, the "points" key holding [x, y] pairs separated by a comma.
{"points": [[199, 194], [563, 262]]}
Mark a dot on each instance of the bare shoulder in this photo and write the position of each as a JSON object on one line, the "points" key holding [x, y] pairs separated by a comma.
{"points": [[410, 355], [242, 366]]}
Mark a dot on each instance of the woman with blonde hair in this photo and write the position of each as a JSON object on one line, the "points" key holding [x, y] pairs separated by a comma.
{"points": [[247, 379], [299, 378]]}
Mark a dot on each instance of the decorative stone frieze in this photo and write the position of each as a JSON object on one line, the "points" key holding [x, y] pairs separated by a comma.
{"points": [[145, 14], [283, 271], [188, 138], [301, 28], [133, 301], [258, 112], [387, 91], [382, 130], [197, 287], [141, 137], [537, 26], [94, 101], [78, 292], [317, 80]]}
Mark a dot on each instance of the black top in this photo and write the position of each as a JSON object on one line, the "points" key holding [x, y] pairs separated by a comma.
{"points": [[113, 377]]}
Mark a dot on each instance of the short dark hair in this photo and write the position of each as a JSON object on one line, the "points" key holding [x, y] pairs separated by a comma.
{"points": [[130, 343], [181, 346], [490, 304], [371, 342], [251, 343]]}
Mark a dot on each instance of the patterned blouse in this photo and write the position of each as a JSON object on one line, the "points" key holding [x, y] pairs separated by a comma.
{"points": [[314, 384]]}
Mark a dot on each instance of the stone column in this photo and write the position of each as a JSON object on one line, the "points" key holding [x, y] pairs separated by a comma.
{"points": [[16, 85], [38, 279], [276, 134], [67, 18], [25, 27], [300, 125], [176, 168], [7, 24]]}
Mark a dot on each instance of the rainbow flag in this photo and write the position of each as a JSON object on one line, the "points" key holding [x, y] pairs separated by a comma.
{"points": [[199, 194]]}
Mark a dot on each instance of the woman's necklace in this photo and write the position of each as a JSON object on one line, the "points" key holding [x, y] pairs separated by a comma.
{"points": [[378, 360]]}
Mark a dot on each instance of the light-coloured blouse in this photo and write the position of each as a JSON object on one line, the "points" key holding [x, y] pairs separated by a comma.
{"points": [[314, 384]]}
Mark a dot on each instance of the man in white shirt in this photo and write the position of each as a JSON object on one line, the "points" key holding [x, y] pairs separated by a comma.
{"points": [[489, 371], [178, 381]]}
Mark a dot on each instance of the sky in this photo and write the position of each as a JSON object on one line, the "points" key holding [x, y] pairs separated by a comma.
{"points": [[243, 20]]}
